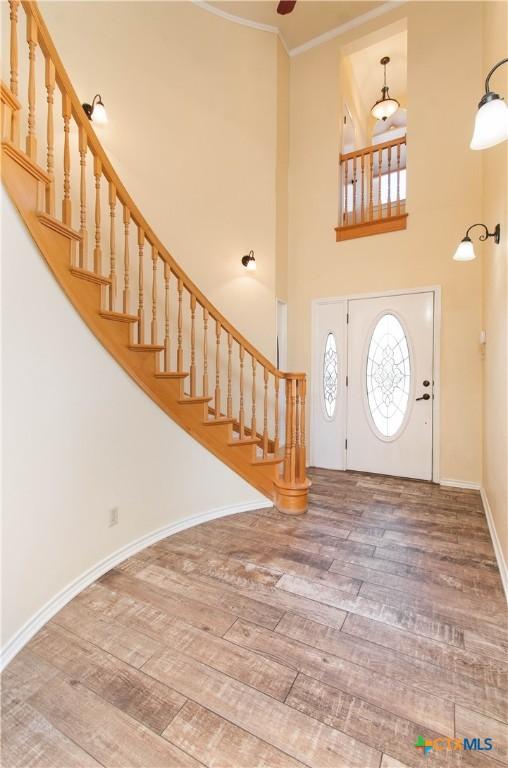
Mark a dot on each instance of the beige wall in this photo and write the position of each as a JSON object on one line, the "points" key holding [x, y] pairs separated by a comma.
{"points": [[192, 106], [281, 180], [444, 196], [495, 290]]}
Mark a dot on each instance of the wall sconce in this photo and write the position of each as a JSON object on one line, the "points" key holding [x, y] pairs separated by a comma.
{"points": [[465, 250], [249, 262], [96, 111], [491, 124]]}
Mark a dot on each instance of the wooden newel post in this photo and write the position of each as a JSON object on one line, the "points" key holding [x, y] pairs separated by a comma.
{"points": [[287, 451]]}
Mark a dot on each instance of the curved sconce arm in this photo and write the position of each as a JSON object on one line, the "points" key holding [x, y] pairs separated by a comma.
{"points": [[487, 80], [496, 234]]}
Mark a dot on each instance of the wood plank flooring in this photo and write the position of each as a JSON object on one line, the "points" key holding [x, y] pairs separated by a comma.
{"points": [[333, 640]]}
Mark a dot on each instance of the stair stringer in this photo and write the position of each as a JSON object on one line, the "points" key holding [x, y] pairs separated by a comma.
{"points": [[25, 182]]}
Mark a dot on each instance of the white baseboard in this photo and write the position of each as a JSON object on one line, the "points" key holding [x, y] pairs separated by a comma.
{"points": [[501, 562], [44, 614], [459, 484]]}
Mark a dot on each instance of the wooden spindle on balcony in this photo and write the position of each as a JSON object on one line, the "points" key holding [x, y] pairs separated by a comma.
{"points": [[389, 197], [179, 350], [371, 183], [398, 179], [229, 405], [253, 417], [153, 325], [379, 177], [241, 417], [193, 346], [354, 189], [97, 251], [218, 331], [141, 293], [66, 202], [205, 352], [50, 136], [31, 37], [83, 243], [346, 214], [112, 247], [362, 198], [13, 17], [126, 261], [167, 349], [265, 414], [276, 417]]}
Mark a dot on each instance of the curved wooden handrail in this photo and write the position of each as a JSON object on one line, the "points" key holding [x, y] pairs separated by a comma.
{"points": [[47, 46], [373, 148]]}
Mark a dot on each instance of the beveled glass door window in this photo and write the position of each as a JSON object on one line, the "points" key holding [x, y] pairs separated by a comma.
{"points": [[330, 375]]}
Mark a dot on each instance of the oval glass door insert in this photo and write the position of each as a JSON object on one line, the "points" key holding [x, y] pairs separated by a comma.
{"points": [[388, 375], [330, 375]]}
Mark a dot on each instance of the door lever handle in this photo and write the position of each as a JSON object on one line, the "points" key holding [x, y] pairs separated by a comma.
{"points": [[426, 396]]}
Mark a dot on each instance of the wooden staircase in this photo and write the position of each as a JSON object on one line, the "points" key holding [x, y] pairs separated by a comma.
{"points": [[132, 294]]}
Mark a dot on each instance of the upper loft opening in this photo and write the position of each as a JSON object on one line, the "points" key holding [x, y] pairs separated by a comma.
{"points": [[373, 148]]}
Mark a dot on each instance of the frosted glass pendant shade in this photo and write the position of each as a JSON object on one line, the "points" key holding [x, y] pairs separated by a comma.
{"points": [[465, 251], [384, 108]]}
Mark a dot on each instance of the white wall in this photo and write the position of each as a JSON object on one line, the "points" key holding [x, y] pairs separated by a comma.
{"points": [[79, 438]]}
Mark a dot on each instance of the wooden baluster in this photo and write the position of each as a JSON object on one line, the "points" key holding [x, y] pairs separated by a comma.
{"points": [[126, 263], [66, 202], [302, 449], [31, 37], [218, 330], [398, 179], [371, 181], [241, 418], [179, 351], [193, 346], [50, 133], [345, 214], [153, 327], [229, 409], [389, 208], [14, 66], [83, 243], [253, 430], [265, 415], [276, 436], [292, 476], [141, 293], [287, 451], [379, 198], [112, 247], [97, 251], [167, 350], [354, 190], [362, 201], [297, 424], [205, 352]]}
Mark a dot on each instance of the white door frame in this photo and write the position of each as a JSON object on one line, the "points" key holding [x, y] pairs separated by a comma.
{"points": [[436, 402]]}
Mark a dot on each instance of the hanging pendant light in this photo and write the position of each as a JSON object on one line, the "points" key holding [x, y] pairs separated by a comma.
{"points": [[385, 107]]}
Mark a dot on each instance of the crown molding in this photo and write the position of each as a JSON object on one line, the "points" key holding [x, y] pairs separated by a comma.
{"points": [[340, 30]]}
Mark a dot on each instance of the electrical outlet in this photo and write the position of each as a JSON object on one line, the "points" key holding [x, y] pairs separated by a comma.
{"points": [[113, 517]]}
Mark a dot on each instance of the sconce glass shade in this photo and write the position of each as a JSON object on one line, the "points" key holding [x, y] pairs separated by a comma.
{"points": [[491, 123], [384, 108], [99, 114], [465, 251], [251, 266]]}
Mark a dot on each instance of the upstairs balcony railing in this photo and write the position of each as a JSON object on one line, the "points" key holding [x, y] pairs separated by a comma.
{"points": [[373, 190]]}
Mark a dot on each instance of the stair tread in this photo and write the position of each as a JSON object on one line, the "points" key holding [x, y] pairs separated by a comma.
{"points": [[187, 399], [220, 420], [120, 317], [145, 347], [270, 459], [245, 441], [171, 374], [92, 277]]}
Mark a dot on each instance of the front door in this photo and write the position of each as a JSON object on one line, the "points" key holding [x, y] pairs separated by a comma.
{"points": [[390, 384]]}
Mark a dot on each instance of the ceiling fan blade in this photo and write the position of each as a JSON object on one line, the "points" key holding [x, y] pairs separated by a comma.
{"points": [[285, 6]]}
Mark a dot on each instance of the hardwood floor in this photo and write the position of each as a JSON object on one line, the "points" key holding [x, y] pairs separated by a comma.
{"points": [[333, 640]]}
